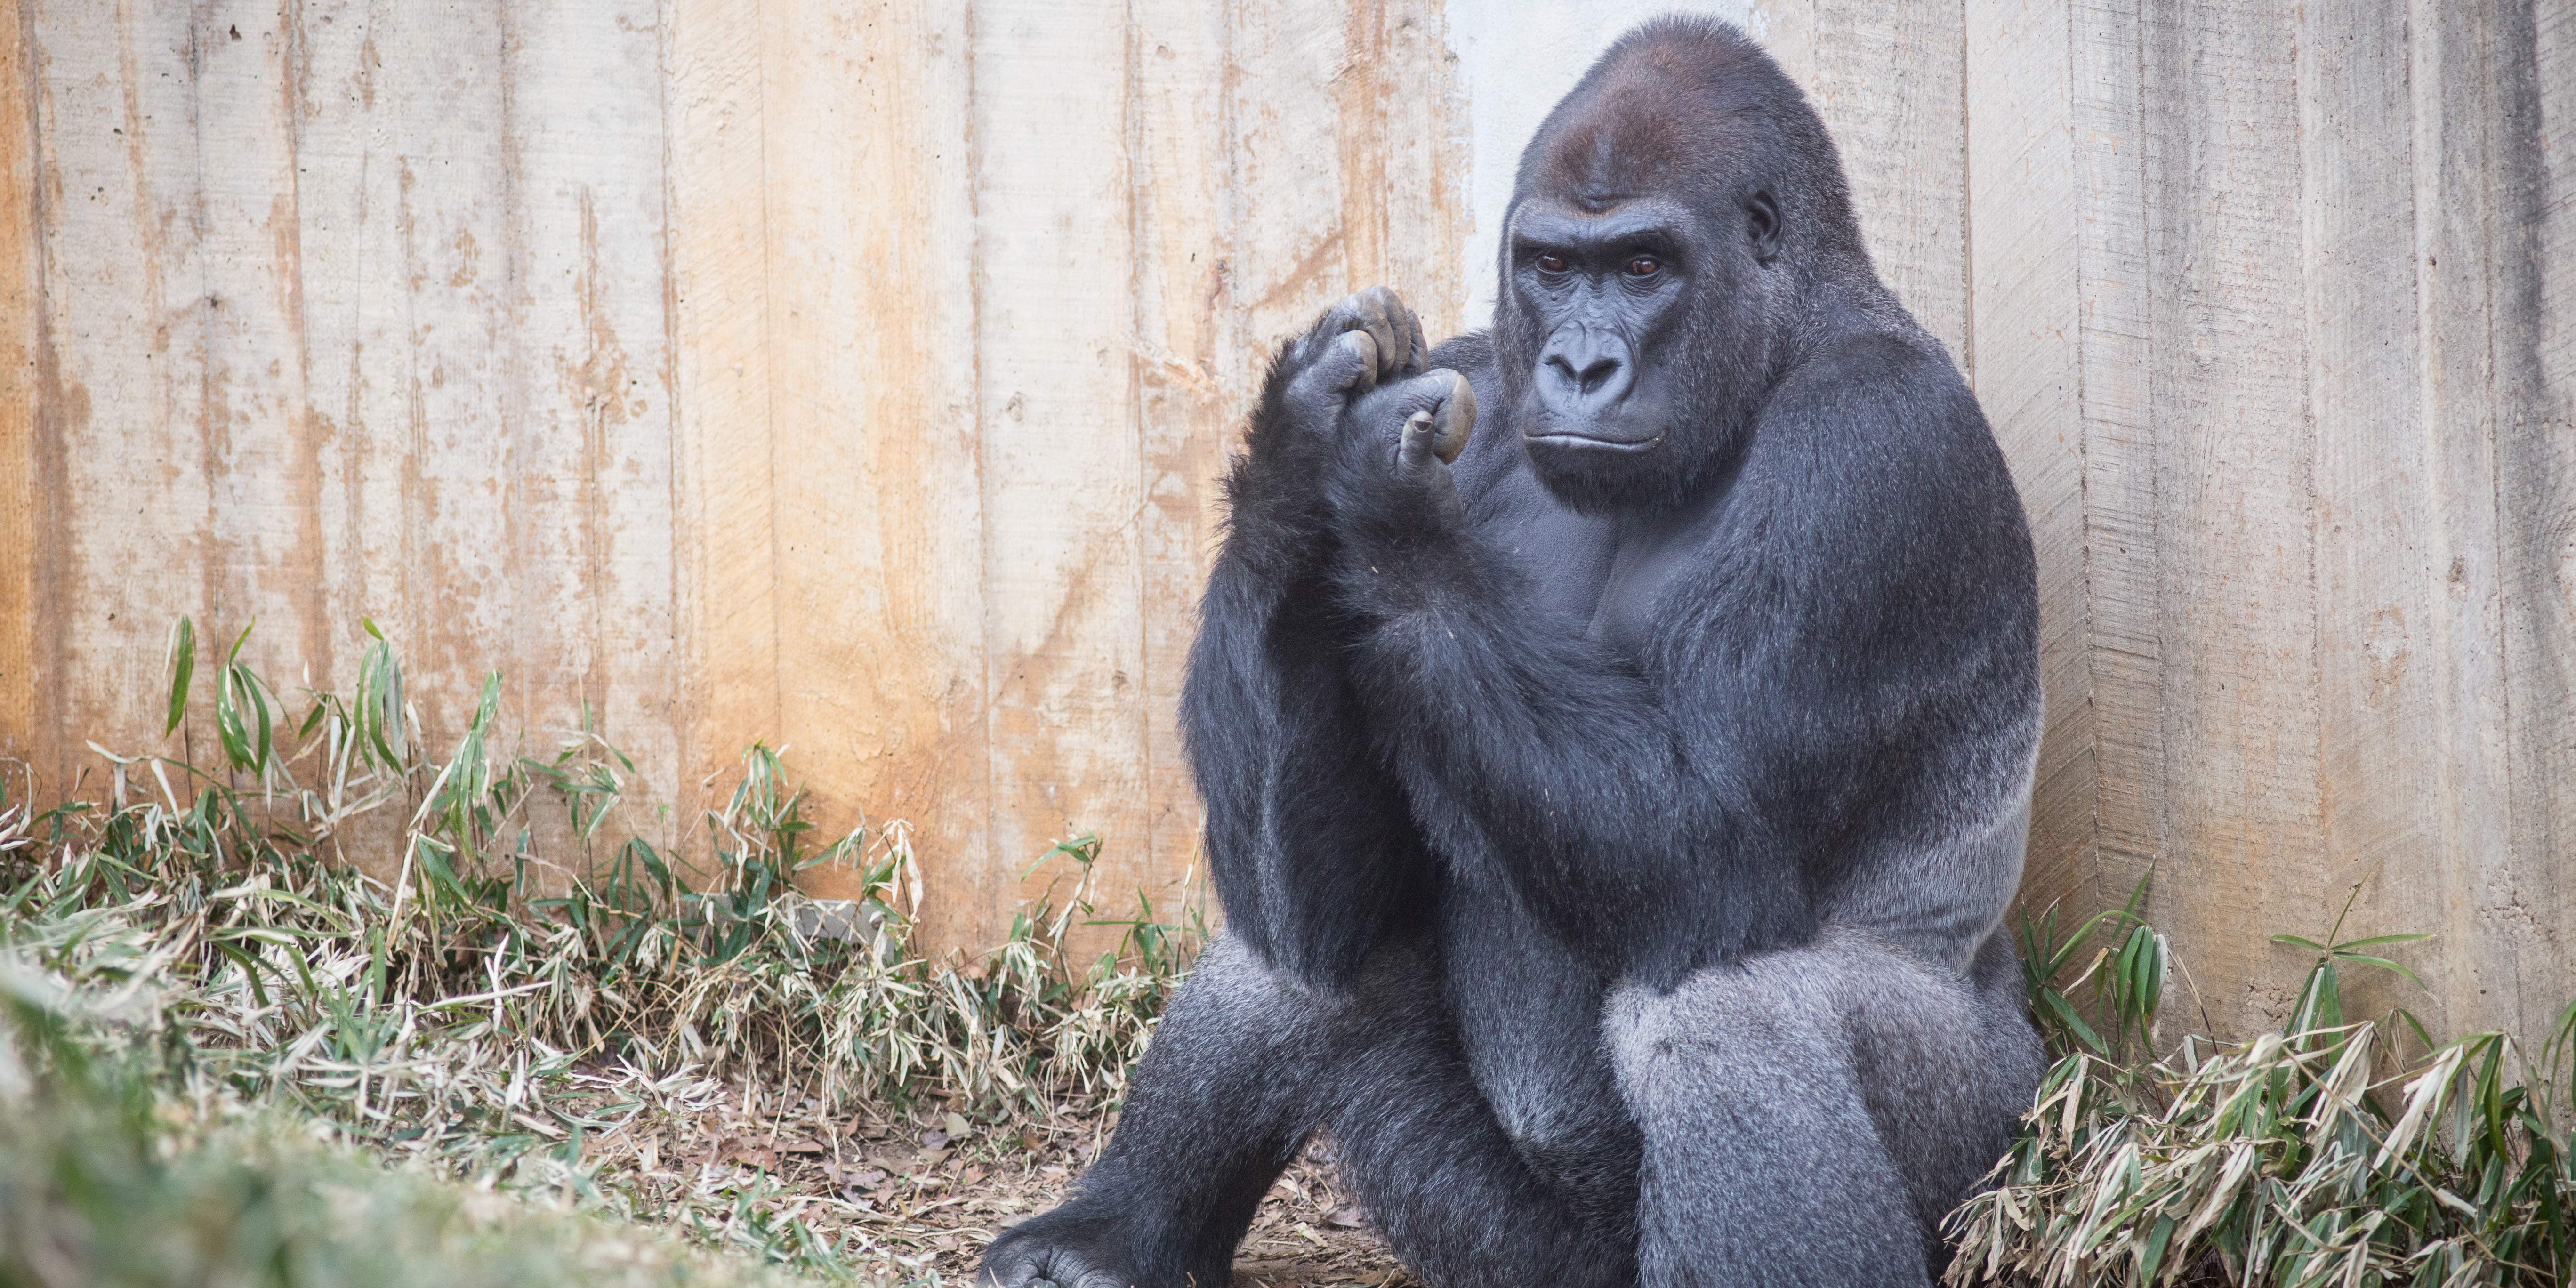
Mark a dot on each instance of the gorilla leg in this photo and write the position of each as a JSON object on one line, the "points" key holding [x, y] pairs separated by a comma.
{"points": [[1947, 1082], [1810, 1114], [1217, 1108], [1245, 1067], [1434, 1168]]}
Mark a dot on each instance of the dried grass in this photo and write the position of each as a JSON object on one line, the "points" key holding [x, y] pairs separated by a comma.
{"points": [[688, 1041], [2277, 1161], [460, 1018]]}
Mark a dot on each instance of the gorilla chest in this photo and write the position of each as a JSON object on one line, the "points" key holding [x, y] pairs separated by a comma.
{"points": [[1566, 558], [1607, 583]]}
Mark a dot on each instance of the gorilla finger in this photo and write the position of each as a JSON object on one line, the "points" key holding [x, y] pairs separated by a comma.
{"points": [[1455, 418], [1413, 348], [1419, 447], [1056, 1268], [1023, 1267], [1346, 368], [1377, 318], [1400, 327], [1350, 313], [1442, 410], [1367, 354]]}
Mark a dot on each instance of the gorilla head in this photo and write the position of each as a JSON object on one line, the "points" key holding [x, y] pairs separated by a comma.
{"points": [[1673, 221]]}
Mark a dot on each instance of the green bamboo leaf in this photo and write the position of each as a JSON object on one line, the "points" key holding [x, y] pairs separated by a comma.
{"points": [[487, 708], [229, 729], [2491, 1095], [275, 895], [2384, 964], [2381, 939], [183, 666], [2297, 942], [380, 704], [2138, 895], [285, 936], [2140, 954], [2074, 1023], [267, 722], [249, 970], [2154, 1254]]}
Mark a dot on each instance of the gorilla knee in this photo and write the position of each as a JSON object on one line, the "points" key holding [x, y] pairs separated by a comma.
{"points": [[1758, 1136], [1734, 1033], [1891, 1071]]}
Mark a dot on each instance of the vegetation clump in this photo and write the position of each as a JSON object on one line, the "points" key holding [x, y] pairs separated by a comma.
{"points": [[109, 1177], [230, 1054], [201, 925], [2310, 1157]]}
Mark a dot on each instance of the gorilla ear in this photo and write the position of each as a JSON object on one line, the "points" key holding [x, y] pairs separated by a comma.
{"points": [[1762, 224]]}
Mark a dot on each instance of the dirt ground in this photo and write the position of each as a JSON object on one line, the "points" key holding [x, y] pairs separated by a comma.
{"points": [[927, 1190]]}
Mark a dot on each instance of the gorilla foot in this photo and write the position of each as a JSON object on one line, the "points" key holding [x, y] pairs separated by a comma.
{"points": [[1078, 1246]]}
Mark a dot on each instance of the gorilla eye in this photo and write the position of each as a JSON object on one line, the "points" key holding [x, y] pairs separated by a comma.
{"points": [[1552, 263], [1644, 266]]}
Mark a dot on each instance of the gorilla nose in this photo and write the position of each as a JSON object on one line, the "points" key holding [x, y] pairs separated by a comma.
{"points": [[1582, 371]]}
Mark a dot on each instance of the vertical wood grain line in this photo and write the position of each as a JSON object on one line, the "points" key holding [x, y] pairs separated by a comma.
{"points": [[2534, 371], [719, 213], [1054, 228], [2116, 354], [2026, 312], [19, 409], [2236, 495], [2383, 660]]}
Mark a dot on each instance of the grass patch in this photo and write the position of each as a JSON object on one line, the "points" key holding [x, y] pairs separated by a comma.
{"points": [[107, 1179], [2315, 1156], [229, 1054], [199, 928]]}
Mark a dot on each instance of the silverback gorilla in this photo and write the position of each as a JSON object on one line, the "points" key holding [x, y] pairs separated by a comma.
{"points": [[1613, 825]]}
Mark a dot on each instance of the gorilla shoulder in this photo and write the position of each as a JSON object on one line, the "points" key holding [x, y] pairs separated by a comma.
{"points": [[1881, 480]]}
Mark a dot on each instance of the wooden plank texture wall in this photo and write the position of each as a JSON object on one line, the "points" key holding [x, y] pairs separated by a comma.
{"points": [[853, 374]]}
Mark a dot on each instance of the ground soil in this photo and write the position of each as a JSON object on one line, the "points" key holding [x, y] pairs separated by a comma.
{"points": [[926, 1190]]}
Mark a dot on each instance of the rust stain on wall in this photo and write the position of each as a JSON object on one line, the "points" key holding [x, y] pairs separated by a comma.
{"points": [[1361, 136]]}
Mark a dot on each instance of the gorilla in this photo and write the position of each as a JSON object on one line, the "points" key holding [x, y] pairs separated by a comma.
{"points": [[1614, 819]]}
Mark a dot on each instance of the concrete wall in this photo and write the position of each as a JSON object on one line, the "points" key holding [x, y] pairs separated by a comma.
{"points": [[854, 375]]}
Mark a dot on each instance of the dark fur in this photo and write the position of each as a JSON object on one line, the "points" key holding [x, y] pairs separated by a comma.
{"points": [[1612, 841]]}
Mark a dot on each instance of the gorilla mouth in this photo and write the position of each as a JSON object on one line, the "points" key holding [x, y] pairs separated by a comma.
{"points": [[1595, 442]]}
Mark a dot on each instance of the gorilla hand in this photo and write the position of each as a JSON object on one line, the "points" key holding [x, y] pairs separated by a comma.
{"points": [[1366, 340], [1392, 469]]}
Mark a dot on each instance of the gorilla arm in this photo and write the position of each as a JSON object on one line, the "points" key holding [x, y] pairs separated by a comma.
{"points": [[1311, 843], [1829, 685]]}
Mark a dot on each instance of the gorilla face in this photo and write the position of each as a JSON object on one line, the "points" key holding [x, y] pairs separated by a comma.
{"points": [[1621, 308], [1647, 299], [1607, 290]]}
